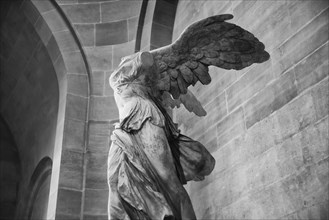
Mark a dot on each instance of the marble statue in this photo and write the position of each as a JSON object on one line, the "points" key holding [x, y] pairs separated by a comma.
{"points": [[149, 159]]}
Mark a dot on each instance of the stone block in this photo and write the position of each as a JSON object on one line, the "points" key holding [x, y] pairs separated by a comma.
{"points": [[66, 217], [314, 142], [303, 12], [206, 129], [65, 2], [97, 143], [96, 174], [66, 41], [161, 35], [290, 156], [132, 28], [257, 140], [43, 31], [76, 107], [108, 89], [100, 128], [77, 84], [122, 50], [96, 217], [55, 21], [103, 108], [304, 189], [318, 211], [86, 33], [119, 10], [43, 6], [312, 36], [240, 8], [230, 127], [221, 79], [97, 83], [74, 62], [97, 161], [112, 33], [100, 58], [312, 69], [60, 70], [71, 170], [187, 121], [322, 173], [271, 99], [248, 85], [320, 95], [69, 203], [74, 134], [90, 1], [164, 13], [295, 116], [95, 202], [82, 13], [273, 24], [262, 171]]}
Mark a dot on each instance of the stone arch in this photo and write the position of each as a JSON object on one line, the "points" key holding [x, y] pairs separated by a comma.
{"points": [[39, 185], [73, 72], [156, 24], [62, 47], [163, 23]]}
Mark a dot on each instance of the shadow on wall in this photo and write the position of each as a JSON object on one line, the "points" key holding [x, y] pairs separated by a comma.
{"points": [[39, 188], [10, 172]]}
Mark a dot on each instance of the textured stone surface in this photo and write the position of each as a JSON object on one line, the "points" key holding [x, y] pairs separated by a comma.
{"points": [[86, 32], [111, 33], [275, 167], [69, 203], [119, 10], [92, 202], [77, 84], [82, 13], [74, 135], [103, 108], [76, 107], [71, 175], [100, 58], [96, 175], [74, 63], [97, 83]]}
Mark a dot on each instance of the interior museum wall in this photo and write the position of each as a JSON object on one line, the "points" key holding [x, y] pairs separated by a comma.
{"points": [[267, 125], [29, 93], [107, 32]]}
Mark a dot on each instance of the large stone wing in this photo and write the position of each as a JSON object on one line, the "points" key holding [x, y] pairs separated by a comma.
{"points": [[211, 41]]}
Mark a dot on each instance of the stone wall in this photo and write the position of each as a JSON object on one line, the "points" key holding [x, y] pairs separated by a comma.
{"points": [[107, 32], [267, 125]]}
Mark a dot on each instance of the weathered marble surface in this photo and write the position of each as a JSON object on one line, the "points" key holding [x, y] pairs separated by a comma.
{"points": [[149, 159]]}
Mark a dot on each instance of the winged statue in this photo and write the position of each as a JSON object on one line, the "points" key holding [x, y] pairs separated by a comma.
{"points": [[149, 159]]}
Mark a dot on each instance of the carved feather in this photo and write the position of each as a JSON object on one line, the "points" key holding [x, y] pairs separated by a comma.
{"points": [[211, 41]]}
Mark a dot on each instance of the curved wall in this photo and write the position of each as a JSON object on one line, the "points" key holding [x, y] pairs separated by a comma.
{"points": [[10, 172], [267, 125], [29, 92]]}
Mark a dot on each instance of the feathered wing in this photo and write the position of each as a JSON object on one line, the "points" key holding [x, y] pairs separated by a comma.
{"points": [[211, 41]]}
